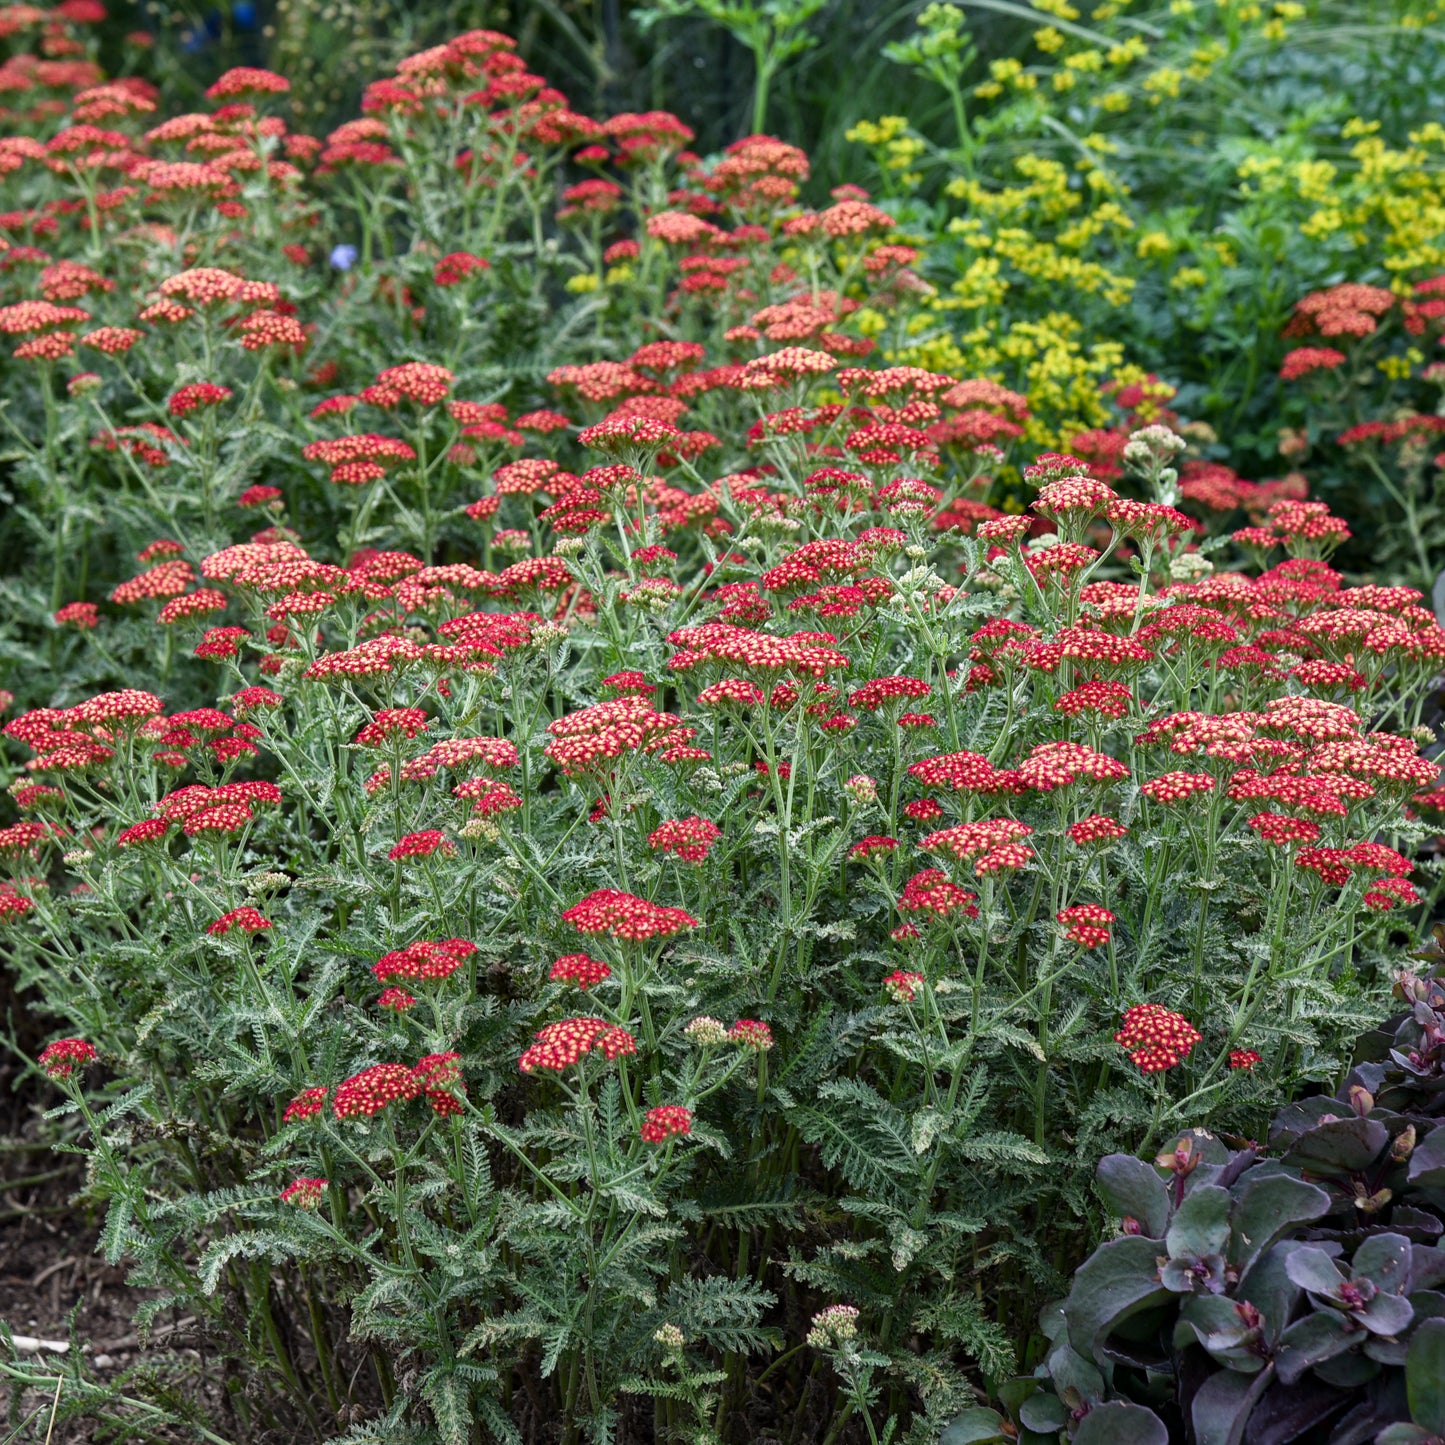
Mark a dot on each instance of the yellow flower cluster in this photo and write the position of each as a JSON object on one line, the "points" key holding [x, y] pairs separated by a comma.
{"points": [[1388, 204], [1048, 247], [1050, 360]]}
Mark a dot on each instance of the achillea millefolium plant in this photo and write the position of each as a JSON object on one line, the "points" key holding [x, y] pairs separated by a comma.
{"points": [[634, 901]]}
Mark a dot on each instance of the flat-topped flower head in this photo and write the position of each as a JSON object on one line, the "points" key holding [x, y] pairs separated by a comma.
{"points": [[1170, 788], [306, 1105], [1097, 828], [1086, 924], [624, 916], [752, 1034], [902, 986], [579, 969], [304, 1193], [1155, 1037], [426, 961], [627, 434], [965, 840], [568, 1041], [689, 839], [247, 80], [931, 892], [1282, 830], [58, 1059], [429, 842], [374, 1089], [666, 1121], [244, 920]]}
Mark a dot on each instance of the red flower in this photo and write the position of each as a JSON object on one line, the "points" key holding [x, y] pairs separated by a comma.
{"points": [[438, 1075], [1243, 1058], [148, 830], [1282, 830], [931, 892], [578, 968], [1011, 855], [370, 1091], [964, 840], [562, 1044], [59, 1058], [424, 961], [396, 999], [306, 1105], [422, 845], [1176, 787], [1156, 1038], [902, 985], [82, 615], [667, 1121], [1086, 924], [304, 1193], [752, 1035], [1097, 828], [456, 266], [245, 918], [623, 916], [689, 838], [198, 394]]}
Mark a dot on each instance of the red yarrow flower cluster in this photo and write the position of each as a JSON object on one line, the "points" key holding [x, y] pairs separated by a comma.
{"points": [[306, 1105], [625, 916], [1086, 924], [425, 961], [425, 844], [666, 1121], [580, 969], [59, 1058], [245, 919], [372, 1090], [1282, 830], [304, 1193], [752, 1034], [1155, 1037], [1096, 828], [901, 985], [930, 891], [687, 838], [560, 1045]]}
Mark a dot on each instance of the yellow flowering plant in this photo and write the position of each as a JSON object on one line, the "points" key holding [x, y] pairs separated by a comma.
{"points": [[1158, 186]]}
